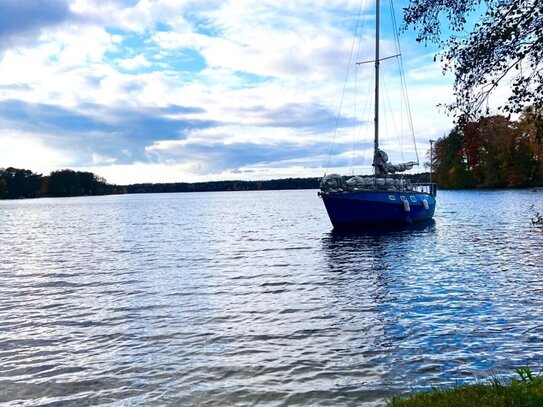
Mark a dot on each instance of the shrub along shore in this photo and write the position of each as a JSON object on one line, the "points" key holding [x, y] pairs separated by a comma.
{"points": [[526, 390]]}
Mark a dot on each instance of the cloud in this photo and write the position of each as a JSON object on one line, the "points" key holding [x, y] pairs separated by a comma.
{"points": [[190, 87], [216, 156], [93, 130], [139, 61], [15, 87], [309, 116], [268, 38], [22, 21], [24, 150]]}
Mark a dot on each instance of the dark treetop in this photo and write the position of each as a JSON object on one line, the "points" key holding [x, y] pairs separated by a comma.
{"points": [[505, 46]]}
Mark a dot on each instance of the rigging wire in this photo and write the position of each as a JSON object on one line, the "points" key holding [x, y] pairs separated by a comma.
{"points": [[356, 129], [354, 110], [402, 77], [384, 141], [367, 117], [403, 95], [366, 111], [345, 84], [388, 104], [365, 120]]}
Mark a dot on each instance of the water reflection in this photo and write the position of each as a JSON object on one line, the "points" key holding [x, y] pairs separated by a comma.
{"points": [[365, 268], [352, 249], [435, 318]]}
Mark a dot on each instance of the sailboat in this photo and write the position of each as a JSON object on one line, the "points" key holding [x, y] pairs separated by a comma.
{"points": [[380, 199]]}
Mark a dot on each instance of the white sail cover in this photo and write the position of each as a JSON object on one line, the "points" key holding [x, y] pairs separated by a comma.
{"points": [[333, 183], [383, 167]]}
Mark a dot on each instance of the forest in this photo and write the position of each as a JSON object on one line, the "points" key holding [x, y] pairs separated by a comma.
{"points": [[18, 183], [493, 152], [21, 183]]}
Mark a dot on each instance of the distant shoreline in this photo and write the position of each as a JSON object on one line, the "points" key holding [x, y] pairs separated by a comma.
{"points": [[20, 184]]}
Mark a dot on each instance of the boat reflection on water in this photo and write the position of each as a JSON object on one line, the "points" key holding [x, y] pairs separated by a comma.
{"points": [[370, 273], [359, 232], [370, 249], [351, 249], [420, 316]]}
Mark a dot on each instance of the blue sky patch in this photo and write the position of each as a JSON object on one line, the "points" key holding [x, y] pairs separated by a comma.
{"points": [[248, 87]]}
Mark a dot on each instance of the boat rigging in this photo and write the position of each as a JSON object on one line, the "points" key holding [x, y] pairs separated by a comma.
{"points": [[380, 199]]}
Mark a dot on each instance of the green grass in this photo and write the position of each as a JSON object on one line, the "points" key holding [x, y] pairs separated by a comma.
{"points": [[524, 391]]}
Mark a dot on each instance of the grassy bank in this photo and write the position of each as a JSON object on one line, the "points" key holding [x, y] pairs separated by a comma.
{"points": [[524, 391]]}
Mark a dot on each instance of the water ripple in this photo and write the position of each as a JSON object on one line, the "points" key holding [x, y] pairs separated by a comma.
{"points": [[250, 298]]}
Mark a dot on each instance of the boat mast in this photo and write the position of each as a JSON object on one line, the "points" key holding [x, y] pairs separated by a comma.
{"points": [[376, 124]]}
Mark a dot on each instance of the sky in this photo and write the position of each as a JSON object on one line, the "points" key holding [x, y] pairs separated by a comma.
{"points": [[200, 90]]}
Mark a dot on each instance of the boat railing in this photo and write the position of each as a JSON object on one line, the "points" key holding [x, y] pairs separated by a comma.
{"points": [[425, 187]]}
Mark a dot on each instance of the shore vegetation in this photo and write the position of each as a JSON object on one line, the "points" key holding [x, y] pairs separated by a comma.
{"points": [[525, 390], [492, 152], [16, 183]]}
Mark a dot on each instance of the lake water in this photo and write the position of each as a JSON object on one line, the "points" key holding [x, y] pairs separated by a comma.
{"points": [[248, 298]]}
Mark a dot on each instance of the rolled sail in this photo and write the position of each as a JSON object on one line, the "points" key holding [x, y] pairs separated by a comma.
{"points": [[383, 167], [392, 168]]}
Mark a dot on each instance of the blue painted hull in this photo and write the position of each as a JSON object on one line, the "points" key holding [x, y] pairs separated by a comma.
{"points": [[378, 207]]}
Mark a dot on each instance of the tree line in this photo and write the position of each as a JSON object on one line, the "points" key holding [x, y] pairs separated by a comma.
{"points": [[21, 183], [493, 152], [264, 185], [212, 186]]}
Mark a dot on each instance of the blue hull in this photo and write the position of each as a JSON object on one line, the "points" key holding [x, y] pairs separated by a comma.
{"points": [[378, 207]]}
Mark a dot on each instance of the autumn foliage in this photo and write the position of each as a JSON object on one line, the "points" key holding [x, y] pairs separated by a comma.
{"points": [[493, 152]]}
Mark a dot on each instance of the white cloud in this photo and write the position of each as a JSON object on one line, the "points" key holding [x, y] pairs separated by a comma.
{"points": [[265, 73], [24, 150], [139, 61]]}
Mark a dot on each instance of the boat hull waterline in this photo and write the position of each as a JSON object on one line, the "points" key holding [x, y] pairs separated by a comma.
{"points": [[366, 208]]}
